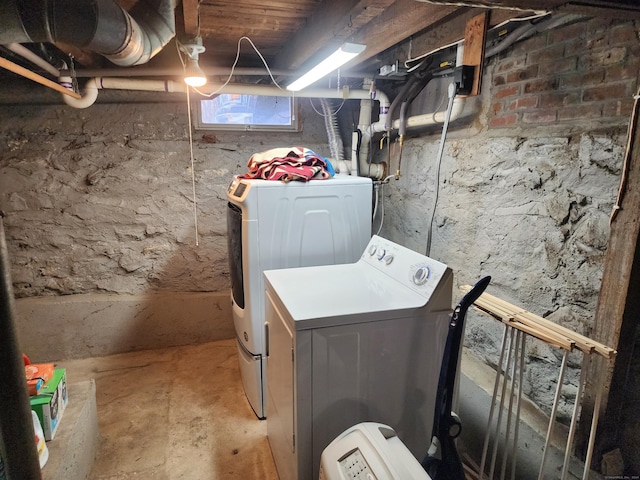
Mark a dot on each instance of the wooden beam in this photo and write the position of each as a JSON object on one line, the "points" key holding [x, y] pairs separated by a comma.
{"points": [[617, 312], [624, 9], [191, 15], [400, 21], [475, 38], [330, 26], [444, 33]]}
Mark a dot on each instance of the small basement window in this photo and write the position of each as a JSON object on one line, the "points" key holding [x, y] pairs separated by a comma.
{"points": [[247, 113]]}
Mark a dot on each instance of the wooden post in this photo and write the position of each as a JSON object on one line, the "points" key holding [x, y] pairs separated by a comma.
{"points": [[191, 14], [17, 444], [617, 312], [475, 38]]}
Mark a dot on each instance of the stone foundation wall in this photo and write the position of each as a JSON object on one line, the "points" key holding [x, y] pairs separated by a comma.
{"points": [[100, 223], [101, 200], [526, 189]]}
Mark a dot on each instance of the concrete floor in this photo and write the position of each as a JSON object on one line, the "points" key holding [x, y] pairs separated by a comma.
{"points": [[181, 413], [176, 413]]}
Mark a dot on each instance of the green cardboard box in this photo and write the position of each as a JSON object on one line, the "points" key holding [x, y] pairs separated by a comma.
{"points": [[51, 402]]}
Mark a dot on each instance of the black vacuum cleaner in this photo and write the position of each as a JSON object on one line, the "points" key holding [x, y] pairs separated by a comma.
{"points": [[442, 461]]}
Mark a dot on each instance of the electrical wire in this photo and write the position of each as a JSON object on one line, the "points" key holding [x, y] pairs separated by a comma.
{"points": [[379, 200], [381, 208], [481, 4], [322, 114], [193, 171], [445, 127], [408, 63], [233, 67]]}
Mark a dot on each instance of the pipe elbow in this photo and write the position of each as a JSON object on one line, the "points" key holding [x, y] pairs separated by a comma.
{"points": [[89, 96]]}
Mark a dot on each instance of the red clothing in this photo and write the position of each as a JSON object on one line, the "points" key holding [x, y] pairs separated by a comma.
{"points": [[287, 164]]}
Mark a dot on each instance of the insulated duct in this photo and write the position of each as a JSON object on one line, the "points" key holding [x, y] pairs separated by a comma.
{"points": [[101, 26], [333, 135]]}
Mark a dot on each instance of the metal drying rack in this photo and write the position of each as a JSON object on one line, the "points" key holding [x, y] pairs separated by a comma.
{"points": [[519, 324]]}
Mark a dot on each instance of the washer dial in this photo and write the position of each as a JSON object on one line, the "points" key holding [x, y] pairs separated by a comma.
{"points": [[421, 275]]}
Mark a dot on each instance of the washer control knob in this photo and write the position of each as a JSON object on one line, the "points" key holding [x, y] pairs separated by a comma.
{"points": [[381, 254], [388, 259], [421, 275], [372, 250]]}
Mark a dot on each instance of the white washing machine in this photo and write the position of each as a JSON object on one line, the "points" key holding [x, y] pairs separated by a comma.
{"points": [[354, 343], [273, 225]]}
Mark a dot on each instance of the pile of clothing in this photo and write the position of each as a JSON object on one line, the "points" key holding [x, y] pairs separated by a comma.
{"points": [[287, 164]]}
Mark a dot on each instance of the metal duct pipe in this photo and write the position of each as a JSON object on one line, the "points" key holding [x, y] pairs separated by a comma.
{"points": [[101, 26], [333, 134]]}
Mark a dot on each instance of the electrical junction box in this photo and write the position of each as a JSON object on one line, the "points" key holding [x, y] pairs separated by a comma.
{"points": [[393, 70], [51, 402]]}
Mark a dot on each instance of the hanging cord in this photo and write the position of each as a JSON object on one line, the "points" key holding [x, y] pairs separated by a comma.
{"points": [[631, 133], [381, 208], [193, 171], [338, 108], [193, 175], [445, 127], [379, 200]]}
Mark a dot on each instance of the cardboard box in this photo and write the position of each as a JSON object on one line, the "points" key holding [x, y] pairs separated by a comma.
{"points": [[51, 402], [38, 374]]}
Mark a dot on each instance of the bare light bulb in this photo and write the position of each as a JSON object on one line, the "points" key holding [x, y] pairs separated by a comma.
{"points": [[193, 74]]}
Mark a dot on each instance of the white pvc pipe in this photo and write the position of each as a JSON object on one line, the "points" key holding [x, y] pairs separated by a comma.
{"points": [[367, 128], [24, 52], [176, 72], [435, 117], [89, 97], [376, 170], [171, 86]]}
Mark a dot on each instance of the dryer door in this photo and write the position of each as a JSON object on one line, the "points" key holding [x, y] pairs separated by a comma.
{"points": [[234, 242]]}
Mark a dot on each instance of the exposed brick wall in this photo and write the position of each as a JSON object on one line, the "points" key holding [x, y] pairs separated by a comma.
{"points": [[587, 70]]}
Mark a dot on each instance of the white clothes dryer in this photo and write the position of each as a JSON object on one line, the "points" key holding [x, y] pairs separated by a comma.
{"points": [[274, 225], [354, 343]]}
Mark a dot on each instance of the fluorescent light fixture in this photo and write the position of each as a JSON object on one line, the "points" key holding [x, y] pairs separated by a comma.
{"points": [[193, 74], [334, 61]]}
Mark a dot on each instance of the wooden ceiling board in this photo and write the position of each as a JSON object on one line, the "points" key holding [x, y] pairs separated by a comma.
{"points": [[332, 25], [293, 33], [400, 21], [609, 8]]}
